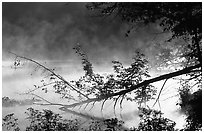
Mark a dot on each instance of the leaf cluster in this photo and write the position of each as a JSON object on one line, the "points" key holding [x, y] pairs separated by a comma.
{"points": [[191, 105], [46, 120], [10, 122], [112, 124], [182, 19], [99, 86], [179, 17], [152, 120]]}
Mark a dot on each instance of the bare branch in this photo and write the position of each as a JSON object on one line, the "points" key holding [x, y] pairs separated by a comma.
{"points": [[122, 101], [115, 104], [52, 72], [160, 93], [103, 104], [39, 87], [49, 104], [170, 97], [92, 105], [159, 104], [86, 106]]}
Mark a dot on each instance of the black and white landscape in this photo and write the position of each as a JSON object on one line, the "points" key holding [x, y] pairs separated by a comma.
{"points": [[101, 66]]}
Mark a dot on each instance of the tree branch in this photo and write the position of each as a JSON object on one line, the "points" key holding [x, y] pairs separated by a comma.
{"points": [[36, 88], [162, 77], [52, 72], [123, 92], [157, 100], [146, 82]]}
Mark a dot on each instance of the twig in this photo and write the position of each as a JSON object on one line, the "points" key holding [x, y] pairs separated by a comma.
{"points": [[121, 101], [39, 87], [48, 102], [103, 104], [41, 98], [159, 104], [170, 97], [92, 106], [86, 106], [115, 104], [160, 92]]}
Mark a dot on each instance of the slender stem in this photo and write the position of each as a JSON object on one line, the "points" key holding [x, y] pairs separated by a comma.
{"points": [[157, 100]]}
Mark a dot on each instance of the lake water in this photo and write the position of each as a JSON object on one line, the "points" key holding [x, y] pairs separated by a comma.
{"points": [[129, 113]]}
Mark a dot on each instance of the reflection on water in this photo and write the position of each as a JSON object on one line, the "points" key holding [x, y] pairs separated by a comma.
{"points": [[127, 114], [19, 112]]}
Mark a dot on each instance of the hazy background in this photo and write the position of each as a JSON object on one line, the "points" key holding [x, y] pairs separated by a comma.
{"points": [[47, 32]]}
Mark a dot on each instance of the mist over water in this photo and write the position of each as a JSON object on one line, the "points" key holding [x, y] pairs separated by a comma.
{"points": [[47, 32], [128, 113]]}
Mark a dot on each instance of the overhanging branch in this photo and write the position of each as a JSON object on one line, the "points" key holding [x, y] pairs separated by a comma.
{"points": [[162, 77], [146, 82], [123, 92]]}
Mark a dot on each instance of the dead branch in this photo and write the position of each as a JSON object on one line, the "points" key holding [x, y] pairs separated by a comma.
{"points": [[122, 101], [103, 104], [157, 100], [115, 104], [51, 71], [92, 106], [39, 87]]}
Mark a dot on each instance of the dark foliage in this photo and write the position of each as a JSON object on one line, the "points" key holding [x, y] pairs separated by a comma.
{"points": [[123, 78], [183, 19], [46, 120], [179, 17], [152, 120], [49, 121], [10, 122], [112, 124], [191, 105]]}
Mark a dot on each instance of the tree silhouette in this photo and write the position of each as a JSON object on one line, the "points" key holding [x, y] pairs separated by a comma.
{"points": [[152, 120], [46, 120], [10, 122], [184, 21]]}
